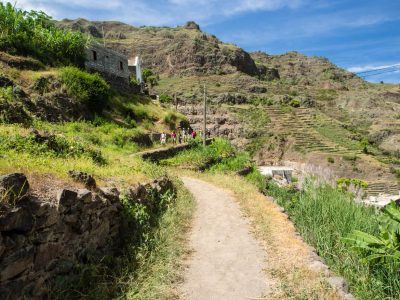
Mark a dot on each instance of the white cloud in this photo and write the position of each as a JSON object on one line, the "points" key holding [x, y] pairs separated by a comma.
{"points": [[266, 5], [152, 12], [358, 69]]}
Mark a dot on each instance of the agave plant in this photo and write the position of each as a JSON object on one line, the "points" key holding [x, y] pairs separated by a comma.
{"points": [[385, 247]]}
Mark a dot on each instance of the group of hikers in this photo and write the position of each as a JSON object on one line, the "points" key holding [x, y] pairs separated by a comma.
{"points": [[181, 136]]}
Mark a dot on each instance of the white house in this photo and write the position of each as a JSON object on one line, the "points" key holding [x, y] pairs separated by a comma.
{"points": [[135, 66]]}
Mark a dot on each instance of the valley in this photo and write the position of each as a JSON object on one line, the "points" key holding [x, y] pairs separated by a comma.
{"points": [[107, 191]]}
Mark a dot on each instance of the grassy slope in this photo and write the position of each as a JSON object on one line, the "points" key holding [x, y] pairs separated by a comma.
{"points": [[112, 135], [324, 216], [103, 147]]}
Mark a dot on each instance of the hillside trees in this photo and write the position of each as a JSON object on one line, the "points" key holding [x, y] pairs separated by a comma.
{"points": [[33, 33]]}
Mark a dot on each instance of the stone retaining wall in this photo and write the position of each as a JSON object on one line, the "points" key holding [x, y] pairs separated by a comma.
{"points": [[40, 240]]}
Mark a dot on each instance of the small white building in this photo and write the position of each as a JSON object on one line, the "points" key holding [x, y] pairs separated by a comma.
{"points": [[135, 67], [272, 171]]}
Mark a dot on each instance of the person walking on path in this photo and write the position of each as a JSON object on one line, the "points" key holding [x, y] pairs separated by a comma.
{"points": [[173, 135], [163, 138], [180, 137], [194, 134], [184, 135]]}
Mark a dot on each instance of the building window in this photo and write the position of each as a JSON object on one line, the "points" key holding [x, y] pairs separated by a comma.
{"points": [[121, 65], [94, 55]]}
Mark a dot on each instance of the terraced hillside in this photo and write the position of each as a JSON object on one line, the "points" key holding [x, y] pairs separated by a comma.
{"points": [[313, 134], [287, 106]]}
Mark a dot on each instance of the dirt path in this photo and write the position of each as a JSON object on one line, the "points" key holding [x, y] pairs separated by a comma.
{"points": [[227, 261]]}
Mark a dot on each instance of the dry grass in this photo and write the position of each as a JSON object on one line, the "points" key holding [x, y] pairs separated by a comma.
{"points": [[288, 256]]}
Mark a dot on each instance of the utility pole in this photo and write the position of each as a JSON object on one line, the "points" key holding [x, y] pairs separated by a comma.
{"points": [[104, 41], [205, 117]]}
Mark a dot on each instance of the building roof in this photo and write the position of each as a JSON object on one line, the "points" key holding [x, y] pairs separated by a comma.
{"points": [[133, 62]]}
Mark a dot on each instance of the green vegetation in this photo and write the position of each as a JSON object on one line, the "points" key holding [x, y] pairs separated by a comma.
{"points": [[50, 146], [160, 259], [255, 120], [165, 98], [34, 33], [219, 156], [326, 95], [382, 250], [149, 262], [344, 183], [171, 119], [295, 103], [149, 77], [325, 217], [91, 89], [133, 81]]}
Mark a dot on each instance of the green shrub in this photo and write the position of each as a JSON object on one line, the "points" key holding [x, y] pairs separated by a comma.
{"points": [[165, 98], [352, 158], [152, 80], [146, 73], [344, 183], [90, 89], [133, 81], [330, 160], [295, 103], [35, 34], [170, 119]]}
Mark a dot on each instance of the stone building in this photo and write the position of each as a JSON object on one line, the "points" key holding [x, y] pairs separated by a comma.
{"points": [[109, 63]]}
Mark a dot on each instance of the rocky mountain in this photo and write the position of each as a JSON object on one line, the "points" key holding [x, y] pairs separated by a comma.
{"points": [[179, 51], [279, 107]]}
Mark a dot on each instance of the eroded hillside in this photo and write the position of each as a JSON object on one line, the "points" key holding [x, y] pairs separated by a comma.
{"points": [[307, 109]]}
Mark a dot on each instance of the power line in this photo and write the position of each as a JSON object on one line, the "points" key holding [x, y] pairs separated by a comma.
{"points": [[383, 71], [379, 71], [390, 67]]}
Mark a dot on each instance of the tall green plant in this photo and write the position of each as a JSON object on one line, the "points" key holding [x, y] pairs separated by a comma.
{"points": [[383, 249], [34, 33]]}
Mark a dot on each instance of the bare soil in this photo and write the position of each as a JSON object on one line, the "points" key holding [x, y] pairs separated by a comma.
{"points": [[227, 261]]}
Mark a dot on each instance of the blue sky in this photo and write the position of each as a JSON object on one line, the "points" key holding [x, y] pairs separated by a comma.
{"points": [[354, 34]]}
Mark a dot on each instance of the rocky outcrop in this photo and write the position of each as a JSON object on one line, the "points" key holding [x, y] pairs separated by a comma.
{"points": [[184, 50], [191, 25], [40, 240], [13, 187], [84, 178], [230, 98], [220, 121]]}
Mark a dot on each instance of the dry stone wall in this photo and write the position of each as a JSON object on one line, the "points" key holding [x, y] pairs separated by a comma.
{"points": [[220, 122], [40, 240]]}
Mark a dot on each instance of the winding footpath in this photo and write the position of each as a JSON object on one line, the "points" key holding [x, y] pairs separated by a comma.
{"points": [[227, 261]]}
